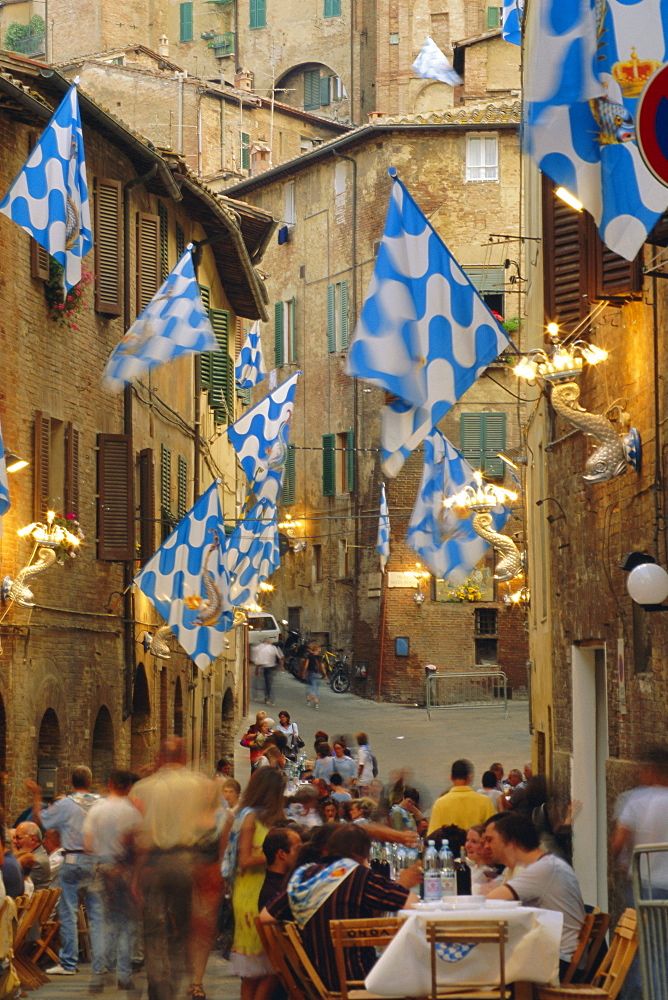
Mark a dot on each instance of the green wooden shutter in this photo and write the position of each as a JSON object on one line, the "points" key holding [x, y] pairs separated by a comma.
{"points": [[311, 89], [220, 391], [182, 488], [331, 317], [332, 8], [288, 493], [344, 315], [205, 358], [186, 22], [329, 465], [471, 438], [494, 440], [324, 91], [258, 13], [165, 491], [492, 17], [245, 151], [293, 309], [180, 241], [164, 240], [278, 334], [350, 461]]}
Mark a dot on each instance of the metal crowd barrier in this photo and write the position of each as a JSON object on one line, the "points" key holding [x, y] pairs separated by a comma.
{"points": [[652, 915], [467, 689]]}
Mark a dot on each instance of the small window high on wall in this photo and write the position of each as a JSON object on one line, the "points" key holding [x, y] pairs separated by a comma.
{"points": [[482, 157]]}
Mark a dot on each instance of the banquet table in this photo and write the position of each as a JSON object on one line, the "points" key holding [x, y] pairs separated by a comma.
{"points": [[532, 952]]}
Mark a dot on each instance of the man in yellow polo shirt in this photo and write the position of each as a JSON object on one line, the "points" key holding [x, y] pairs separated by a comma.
{"points": [[460, 806]]}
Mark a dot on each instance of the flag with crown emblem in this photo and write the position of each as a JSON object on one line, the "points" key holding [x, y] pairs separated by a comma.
{"points": [[424, 333], [186, 580], [588, 63], [250, 369], [49, 197], [252, 552], [173, 323], [512, 21], [383, 541], [445, 540], [261, 438]]}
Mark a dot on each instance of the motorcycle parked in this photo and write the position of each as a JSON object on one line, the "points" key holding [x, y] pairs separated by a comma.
{"points": [[294, 650], [338, 670]]}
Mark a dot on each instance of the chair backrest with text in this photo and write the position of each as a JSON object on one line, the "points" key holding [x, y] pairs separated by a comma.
{"points": [[462, 932], [371, 932]]}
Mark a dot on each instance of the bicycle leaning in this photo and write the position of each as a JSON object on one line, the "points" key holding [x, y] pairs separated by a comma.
{"points": [[337, 669]]}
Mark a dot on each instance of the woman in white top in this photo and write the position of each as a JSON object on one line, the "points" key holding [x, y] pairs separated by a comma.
{"points": [[291, 733], [489, 788]]}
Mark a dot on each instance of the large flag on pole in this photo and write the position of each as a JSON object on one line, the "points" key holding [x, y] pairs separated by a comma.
{"points": [[447, 542], [512, 21], [587, 67], [424, 333], [252, 552], [49, 197], [432, 64], [383, 541], [174, 323], [261, 437], [250, 369], [186, 580]]}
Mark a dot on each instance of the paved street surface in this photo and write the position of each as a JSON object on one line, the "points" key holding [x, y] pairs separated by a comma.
{"points": [[399, 735]]}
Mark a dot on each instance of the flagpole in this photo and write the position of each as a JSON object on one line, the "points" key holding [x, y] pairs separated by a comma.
{"points": [[383, 606]]}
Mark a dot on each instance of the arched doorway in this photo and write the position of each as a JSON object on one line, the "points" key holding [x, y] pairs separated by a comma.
{"points": [[48, 754], [178, 708], [3, 753], [141, 743], [103, 748], [227, 727]]}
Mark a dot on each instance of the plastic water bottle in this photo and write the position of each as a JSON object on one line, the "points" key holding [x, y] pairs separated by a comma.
{"points": [[431, 881], [448, 880]]}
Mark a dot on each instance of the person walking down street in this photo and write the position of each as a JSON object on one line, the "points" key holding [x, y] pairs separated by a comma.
{"points": [[364, 763], [67, 816], [249, 738], [267, 656], [313, 669]]}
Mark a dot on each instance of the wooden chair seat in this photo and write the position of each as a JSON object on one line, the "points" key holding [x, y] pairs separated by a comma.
{"points": [[468, 932], [47, 925], [371, 932]]}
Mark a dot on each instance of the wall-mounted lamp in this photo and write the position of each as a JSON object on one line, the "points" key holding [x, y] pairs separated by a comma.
{"points": [[480, 500], [420, 576], [514, 462], [156, 643], [647, 583], [558, 366], [517, 597], [13, 463], [551, 518], [47, 538]]}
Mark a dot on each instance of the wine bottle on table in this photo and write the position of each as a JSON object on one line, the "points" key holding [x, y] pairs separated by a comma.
{"points": [[463, 874]]}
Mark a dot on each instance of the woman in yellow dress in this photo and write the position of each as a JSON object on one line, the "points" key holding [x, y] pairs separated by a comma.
{"points": [[261, 807]]}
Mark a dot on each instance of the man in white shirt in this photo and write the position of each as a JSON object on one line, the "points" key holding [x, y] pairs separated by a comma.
{"points": [[267, 656], [546, 880]]}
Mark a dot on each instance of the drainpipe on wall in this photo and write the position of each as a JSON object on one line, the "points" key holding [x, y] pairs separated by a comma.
{"points": [[128, 567], [179, 133]]}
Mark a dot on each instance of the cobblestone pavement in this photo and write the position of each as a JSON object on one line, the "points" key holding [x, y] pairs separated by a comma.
{"points": [[399, 735]]}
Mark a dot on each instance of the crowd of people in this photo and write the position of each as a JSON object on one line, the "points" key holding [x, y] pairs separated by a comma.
{"points": [[173, 862]]}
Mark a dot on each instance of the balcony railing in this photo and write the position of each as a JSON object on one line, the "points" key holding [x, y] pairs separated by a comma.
{"points": [[31, 45], [223, 45]]}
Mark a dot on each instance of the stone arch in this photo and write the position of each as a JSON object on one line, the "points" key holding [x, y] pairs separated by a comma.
{"points": [[433, 96], [178, 708], [102, 752], [49, 751], [290, 88], [227, 724], [141, 744]]}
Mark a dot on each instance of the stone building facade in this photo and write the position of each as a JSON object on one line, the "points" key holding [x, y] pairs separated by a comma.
{"points": [[77, 684], [329, 584]]}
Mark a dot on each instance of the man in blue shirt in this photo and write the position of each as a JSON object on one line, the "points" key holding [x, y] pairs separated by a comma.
{"points": [[67, 816]]}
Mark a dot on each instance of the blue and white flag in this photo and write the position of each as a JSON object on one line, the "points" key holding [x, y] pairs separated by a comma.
{"points": [[250, 369], [174, 323], [49, 197], [512, 21], [5, 502], [261, 437], [445, 540], [383, 542], [587, 65], [424, 333], [186, 580], [432, 64], [252, 552]]}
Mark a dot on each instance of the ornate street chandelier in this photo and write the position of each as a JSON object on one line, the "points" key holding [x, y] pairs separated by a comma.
{"points": [[480, 500]]}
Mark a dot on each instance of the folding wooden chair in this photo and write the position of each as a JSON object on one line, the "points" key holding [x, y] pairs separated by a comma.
{"points": [[450, 932], [47, 925], [609, 977], [302, 966], [29, 973], [596, 942], [374, 932], [272, 937]]}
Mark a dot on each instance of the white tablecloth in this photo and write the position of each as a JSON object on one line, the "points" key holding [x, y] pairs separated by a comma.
{"points": [[532, 952]]}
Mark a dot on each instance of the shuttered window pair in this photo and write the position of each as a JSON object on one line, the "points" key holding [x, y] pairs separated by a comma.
{"points": [[289, 477], [115, 504], [284, 332], [186, 22], [217, 367], [346, 462], [332, 8], [577, 268], [258, 13], [151, 251], [481, 436], [337, 316], [56, 483]]}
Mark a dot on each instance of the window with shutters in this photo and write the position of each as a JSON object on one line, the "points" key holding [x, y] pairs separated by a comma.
{"points": [[221, 393], [166, 516], [290, 204], [311, 89], [182, 488], [258, 13], [494, 15], [115, 505], [577, 268], [244, 150], [148, 258], [329, 465], [337, 316], [345, 461], [482, 157], [107, 240], [164, 241], [316, 566], [39, 261], [481, 436], [284, 332], [490, 281], [186, 22], [56, 484], [180, 238], [146, 504], [332, 8], [325, 91], [289, 481], [205, 357]]}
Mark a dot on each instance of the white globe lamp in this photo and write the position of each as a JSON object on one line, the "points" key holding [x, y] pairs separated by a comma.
{"points": [[648, 584]]}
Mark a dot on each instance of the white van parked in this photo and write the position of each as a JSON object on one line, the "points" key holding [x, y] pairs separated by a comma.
{"points": [[261, 626]]}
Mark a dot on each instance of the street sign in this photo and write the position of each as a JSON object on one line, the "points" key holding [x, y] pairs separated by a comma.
{"points": [[652, 124]]}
